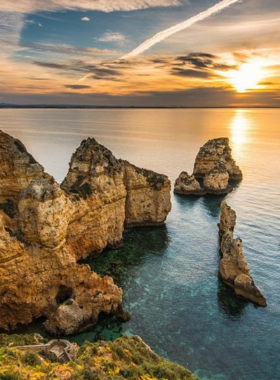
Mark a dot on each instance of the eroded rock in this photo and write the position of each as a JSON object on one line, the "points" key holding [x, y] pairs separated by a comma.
{"points": [[214, 153], [234, 269], [187, 184], [45, 228], [214, 167]]}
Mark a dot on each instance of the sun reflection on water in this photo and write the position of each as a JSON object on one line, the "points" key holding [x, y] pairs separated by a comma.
{"points": [[240, 127]]}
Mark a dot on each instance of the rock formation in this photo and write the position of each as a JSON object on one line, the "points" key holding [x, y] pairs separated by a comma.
{"points": [[45, 229], [214, 167], [234, 269], [100, 186], [187, 184]]}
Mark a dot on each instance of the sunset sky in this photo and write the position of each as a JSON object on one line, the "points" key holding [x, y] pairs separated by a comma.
{"points": [[68, 52]]}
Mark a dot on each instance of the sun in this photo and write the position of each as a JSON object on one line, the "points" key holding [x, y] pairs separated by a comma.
{"points": [[247, 77]]}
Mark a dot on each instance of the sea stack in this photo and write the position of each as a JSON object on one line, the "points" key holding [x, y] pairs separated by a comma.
{"points": [[213, 169], [234, 269], [45, 228]]}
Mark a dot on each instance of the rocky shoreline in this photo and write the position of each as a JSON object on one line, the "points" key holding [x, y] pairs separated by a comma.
{"points": [[46, 228], [214, 168]]}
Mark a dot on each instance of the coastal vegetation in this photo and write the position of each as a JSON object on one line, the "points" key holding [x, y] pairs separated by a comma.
{"points": [[125, 358]]}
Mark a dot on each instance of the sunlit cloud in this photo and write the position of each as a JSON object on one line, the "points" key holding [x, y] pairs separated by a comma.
{"points": [[31, 6], [110, 36], [247, 77], [238, 61]]}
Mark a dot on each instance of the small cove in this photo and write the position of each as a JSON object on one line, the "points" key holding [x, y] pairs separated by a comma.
{"points": [[169, 274]]}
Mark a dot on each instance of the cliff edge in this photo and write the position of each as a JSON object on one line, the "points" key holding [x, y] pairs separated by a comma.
{"points": [[45, 228]]}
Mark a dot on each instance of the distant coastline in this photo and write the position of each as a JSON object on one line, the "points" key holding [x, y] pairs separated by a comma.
{"points": [[76, 106]]}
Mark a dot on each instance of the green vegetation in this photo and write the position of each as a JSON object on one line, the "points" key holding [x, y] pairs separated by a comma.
{"points": [[125, 358]]}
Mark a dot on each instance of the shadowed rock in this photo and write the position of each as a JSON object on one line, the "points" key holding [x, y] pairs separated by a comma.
{"points": [[234, 269]]}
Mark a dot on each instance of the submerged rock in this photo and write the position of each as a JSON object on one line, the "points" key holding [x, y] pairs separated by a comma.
{"points": [[214, 166], [45, 228], [234, 269]]}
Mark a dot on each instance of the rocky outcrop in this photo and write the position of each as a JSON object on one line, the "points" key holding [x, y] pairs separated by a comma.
{"points": [[148, 196], [45, 228], [214, 167], [234, 269], [214, 153], [187, 184], [109, 194]]}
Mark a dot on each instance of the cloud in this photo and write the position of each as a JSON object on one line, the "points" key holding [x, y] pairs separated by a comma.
{"points": [[85, 19], [160, 36], [204, 61], [10, 27], [32, 22], [67, 49], [12, 14], [76, 86], [190, 73], [32, 6], [112, 37], [98, 72], [199, 65], [105, 73]]}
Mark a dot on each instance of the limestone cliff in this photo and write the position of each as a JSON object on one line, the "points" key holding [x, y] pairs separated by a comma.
{"points": [[148, 196], [96, 188], [214, 167], [109, 194], [45, 228], [234, 269]]}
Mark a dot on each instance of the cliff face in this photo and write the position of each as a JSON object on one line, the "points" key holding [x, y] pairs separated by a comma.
{"points": [[45, 228], [18, 168], [215, 166], [148, 196], [234, 269], [95, 185], [107, 194]]}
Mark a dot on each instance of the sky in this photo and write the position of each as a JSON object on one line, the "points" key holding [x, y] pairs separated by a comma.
{"points": [[79, 52]]}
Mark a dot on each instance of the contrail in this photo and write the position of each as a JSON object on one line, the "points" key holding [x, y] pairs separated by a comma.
{"points": [[160, 36]]}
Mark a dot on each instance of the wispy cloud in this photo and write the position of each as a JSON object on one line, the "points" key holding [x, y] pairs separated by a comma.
{"points": [[110, 36], [76, 86], [160, 36], [68, 49], [32, 22], [31, 6]]}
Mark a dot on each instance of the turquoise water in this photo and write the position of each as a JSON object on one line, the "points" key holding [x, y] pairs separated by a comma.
{"points": [[169, 274]]}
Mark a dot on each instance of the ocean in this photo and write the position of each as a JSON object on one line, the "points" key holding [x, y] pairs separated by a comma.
{"points": [[169, 274]]}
